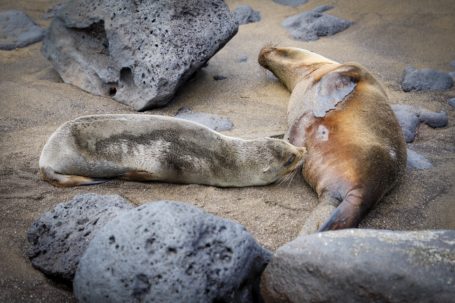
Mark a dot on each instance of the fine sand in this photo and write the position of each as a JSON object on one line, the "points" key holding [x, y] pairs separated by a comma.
{"points": [[386, 37]]}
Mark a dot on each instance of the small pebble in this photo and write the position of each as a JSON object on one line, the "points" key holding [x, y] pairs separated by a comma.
{"points": [[291, 2], [417, 161], [219, 77], [245, 14], [243, 58]]}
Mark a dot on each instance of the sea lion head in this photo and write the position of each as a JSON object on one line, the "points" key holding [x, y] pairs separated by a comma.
{"points": [[277, 159], [291, 64]]}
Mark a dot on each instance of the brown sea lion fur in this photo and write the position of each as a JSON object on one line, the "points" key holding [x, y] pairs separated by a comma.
{"points": [[356, 152]]}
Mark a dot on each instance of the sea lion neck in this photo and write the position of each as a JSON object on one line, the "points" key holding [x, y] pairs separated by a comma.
{"points": [[292, 65]]}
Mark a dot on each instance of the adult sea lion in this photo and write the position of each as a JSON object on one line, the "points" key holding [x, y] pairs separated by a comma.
{"points": [[355, 148], [90, 149]]}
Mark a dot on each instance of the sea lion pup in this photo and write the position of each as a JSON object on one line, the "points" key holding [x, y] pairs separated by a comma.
{"points": [[355, 148], [159, 148]]}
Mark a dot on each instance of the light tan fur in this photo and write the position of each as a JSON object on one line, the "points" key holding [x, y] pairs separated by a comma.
{"points": [[93, 149]]}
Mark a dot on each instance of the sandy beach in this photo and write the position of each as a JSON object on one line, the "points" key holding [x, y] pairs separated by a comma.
{"points": [[386, 36]]}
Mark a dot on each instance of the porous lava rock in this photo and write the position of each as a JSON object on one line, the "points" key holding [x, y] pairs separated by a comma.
{"points": [[425, 79], [137, 52], [291, 2], [245, 14], [18, 30], [212, 121], [59, 237], [170, 252], [417, 161], [363, 266], [310, 25], [410, 117]]}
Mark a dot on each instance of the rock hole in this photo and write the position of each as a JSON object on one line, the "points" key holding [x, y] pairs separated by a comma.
{"points": [[171, 250], [126, 76], [141, 286], [111, 239], [112, 91]]}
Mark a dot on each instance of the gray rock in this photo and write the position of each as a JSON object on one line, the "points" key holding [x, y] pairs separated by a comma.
{"points": [[170, 252], [363, 266], [310, 25], [434, 119], [219, 77], [452, 63], [425, 79], [212, 121], [52, 12], [18, 30], [407, 116], [410, 117], [59, 237], [242, 58], [417, 161], [246, 14], [452, 74], [452, 102], [291, 2], [137, 52]]}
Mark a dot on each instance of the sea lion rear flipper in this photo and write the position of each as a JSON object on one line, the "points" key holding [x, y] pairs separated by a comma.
{"points": [[347, 215], [68, 180]]}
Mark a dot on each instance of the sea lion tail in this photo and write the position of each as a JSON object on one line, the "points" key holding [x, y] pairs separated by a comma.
{"points": [[348, 214], [57, 179]]}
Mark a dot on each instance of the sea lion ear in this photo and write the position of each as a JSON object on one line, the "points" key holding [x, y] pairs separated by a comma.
{"points": [[333, 88]]}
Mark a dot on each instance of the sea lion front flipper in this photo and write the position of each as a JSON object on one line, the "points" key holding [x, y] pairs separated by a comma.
{"points": [[320, 214], [332, 89], [138, 175]]}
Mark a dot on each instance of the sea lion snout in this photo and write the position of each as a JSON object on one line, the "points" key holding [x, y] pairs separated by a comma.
{"points": [[263, 54]]}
